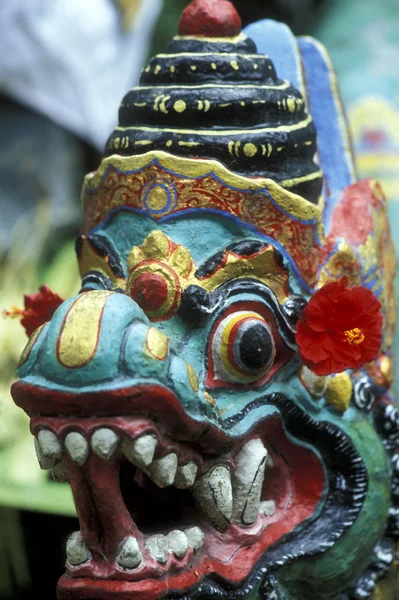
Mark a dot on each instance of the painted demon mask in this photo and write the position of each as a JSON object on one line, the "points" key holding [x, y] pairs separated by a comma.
{"points": [[205, 458]]}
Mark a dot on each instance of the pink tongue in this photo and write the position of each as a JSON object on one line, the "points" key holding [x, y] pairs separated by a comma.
{"points": [[114, 516], [103, 516]]}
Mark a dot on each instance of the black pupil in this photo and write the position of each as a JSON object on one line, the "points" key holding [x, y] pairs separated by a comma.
{"points": [[255, 347]]}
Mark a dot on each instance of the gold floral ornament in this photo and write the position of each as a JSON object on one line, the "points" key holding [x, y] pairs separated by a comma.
{"points": [[339, 391], [341, 262], [159, 271]]}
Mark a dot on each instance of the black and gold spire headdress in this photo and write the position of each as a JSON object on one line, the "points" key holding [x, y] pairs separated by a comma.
{"points": [[212, 96]]}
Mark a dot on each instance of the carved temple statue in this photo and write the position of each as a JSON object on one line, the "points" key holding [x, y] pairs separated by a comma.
{"points": [[218, 393]]}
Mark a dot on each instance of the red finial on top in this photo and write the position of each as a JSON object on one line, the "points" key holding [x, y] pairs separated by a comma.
{"points": [[210, 18]]}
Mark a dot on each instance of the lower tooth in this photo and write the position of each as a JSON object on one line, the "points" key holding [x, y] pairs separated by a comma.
{"points": [[77, 447], [60, 472], [129, 555], [157, 546], [248, 481], [76, 549], [163, 470], [267, 508], [213, 495], [177, 543], [195, 538]]}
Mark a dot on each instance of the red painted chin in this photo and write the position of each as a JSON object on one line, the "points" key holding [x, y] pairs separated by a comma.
{"points": [[108, 513]]}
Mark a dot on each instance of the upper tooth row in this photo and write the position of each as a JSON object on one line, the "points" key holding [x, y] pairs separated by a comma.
{"points": [[163, 471], [221, 495]]}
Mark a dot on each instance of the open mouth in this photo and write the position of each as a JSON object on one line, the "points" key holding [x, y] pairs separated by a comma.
{"points": [[160, 514]]}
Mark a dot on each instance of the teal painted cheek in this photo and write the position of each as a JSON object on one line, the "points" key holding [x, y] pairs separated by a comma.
{"points": [[232, 402], [146, 353], [176, 329], [184, 379]]}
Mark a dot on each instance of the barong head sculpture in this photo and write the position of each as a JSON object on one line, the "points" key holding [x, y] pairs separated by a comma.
{"points": [[218, 393]]}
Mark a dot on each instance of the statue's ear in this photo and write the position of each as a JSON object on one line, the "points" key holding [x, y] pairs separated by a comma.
{"points": [[359, 246]]}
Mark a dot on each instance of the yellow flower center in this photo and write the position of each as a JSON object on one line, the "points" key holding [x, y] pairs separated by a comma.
{"points": [[354, 336]]}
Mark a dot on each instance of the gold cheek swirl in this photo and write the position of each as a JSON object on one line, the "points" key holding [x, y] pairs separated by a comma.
{"points": [[157, 344], [81, 328], [339, 391]]}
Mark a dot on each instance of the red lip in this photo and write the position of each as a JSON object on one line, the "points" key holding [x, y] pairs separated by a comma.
{"points": [[155, 400]]}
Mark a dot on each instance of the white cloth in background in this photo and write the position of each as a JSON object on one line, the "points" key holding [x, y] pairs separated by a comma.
{"points": [[72, 60]]}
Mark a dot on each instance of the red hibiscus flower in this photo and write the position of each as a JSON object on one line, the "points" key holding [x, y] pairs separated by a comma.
{"points": [[39, 308], [340, 328]]}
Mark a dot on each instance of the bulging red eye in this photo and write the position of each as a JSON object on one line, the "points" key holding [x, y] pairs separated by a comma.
{"points": [[242, 347]]}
